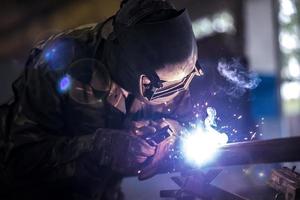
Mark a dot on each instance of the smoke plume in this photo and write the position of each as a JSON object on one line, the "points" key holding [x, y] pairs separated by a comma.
{"points": [[240, 80]]}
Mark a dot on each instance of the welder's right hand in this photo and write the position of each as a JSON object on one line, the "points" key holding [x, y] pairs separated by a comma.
{"points": [[122, 150]]}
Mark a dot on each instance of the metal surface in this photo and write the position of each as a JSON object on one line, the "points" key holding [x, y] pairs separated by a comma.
{"points": [[256, 152], [196, 184]]}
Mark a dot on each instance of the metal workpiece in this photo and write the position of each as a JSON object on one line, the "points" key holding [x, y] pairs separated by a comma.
{"points": [[258, 152], [195, 184], [242, 153]]}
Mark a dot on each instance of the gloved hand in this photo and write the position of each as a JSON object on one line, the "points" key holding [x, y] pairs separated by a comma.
{"points": [[122, 150], [164, 149]]}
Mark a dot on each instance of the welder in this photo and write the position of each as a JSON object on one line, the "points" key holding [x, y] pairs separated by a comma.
{"points": [[90, 98]]}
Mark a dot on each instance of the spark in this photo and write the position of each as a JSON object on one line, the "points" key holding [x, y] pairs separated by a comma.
{"points": [[261, 174], [240, 117], [253, 136]]}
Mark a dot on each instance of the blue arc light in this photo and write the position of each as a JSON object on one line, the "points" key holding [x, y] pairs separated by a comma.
{"points": [[201, 146], [65, 83]]}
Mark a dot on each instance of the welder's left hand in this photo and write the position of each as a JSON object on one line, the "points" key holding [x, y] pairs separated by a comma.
{"points": [[163, 150]]}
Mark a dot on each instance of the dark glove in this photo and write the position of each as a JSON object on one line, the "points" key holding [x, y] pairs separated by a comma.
{"points": [[122, 150], [162, 153], [163, 150]]}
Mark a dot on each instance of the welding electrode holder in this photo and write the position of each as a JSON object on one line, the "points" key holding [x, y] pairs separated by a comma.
{"points": [[159, 136]]}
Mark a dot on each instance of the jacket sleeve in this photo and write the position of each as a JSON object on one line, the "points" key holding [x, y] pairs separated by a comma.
{"points": [[38, 145]]}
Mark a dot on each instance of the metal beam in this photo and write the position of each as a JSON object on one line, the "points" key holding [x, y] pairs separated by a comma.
{"points": [[244, 153], [257, 152]]}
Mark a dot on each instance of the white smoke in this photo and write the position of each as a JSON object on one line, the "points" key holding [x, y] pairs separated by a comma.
{"points": [[240, 80], [210, 120]]}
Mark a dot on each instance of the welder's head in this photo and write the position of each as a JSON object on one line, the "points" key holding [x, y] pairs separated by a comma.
{"points": [[156, 50]]}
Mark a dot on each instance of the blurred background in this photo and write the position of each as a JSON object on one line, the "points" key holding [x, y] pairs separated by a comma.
{"points": [[260, 35]]}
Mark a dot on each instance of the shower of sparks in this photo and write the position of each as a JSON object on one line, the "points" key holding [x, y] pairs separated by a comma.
{"points": [[201, 144]]}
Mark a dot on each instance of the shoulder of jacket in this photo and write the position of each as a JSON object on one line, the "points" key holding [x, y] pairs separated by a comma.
{"points": [[80, 33], [61, 49]]}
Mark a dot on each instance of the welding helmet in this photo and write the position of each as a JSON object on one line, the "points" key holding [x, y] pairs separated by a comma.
{"points": [[157, 60]]}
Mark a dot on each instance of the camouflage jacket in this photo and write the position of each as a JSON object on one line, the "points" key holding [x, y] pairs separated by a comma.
{"points": [[48, 137]]}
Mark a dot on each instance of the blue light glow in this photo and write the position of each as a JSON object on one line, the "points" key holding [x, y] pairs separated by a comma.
{"points": [[50, 54], [47, 56], [58, 54], [201, 145], [65, 83]]}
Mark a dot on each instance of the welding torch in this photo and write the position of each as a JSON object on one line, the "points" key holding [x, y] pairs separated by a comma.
{"points": [[159, 136]]}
